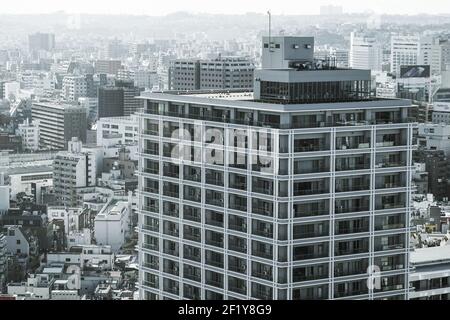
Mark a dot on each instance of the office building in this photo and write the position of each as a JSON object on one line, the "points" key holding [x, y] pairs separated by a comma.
{"points": [[58, 123], [107, 66], [73, 169], [41, 41], [110, 102], [290, 192], [220, 73], [365, 52], [408, 50], [131, 103], [119, 100]]}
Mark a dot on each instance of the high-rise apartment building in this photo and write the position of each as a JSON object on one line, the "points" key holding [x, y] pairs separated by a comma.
{"points": [[29, 131], [220, 73], [74, 87], [299, 190], [3, 262], [107, 66], [41, 41], [73, 169], [365, 53], [58, 123]]}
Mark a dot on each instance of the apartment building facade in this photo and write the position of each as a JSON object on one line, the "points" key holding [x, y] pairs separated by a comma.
{"points": [[299, 191]]}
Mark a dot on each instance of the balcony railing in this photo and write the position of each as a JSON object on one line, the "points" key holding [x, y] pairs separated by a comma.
{"points": [[305, 192], [266, 275], [214, 202], [151, 265], [150, 246], [262, 189], [214, 283], [351, 251], [389, 226], [238, 207], [151, 228], [390, 206], [361, 166], [351, 209], [151, 170], [240, 289], [193, 237], [151, 132], [151, 189], [308, 256], [339, 294], [214, 181], [303, 235], [170, 193], [355, 187], [237, 247], [352, 230], [151, 208], [173, 233]]}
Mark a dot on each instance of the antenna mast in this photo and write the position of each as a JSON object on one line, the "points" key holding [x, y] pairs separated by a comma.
{"points": [[270, 28]]}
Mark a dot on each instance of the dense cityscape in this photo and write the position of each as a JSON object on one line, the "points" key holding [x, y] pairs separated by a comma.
{"points": [[225, 157]]}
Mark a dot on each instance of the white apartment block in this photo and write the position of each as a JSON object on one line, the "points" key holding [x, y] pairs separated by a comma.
{"points": [[74, 87], [29, 131], [112, 224], [117, 130], [365, 52], [73, 169]]}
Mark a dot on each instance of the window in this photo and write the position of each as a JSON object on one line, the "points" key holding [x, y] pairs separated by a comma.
{"points": [[277, 45], [17, 241]]}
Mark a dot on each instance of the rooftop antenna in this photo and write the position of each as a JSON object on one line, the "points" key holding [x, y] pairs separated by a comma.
{"points": [[270, 30]]}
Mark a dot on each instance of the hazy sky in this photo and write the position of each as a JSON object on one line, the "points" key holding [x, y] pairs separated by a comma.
{"points": [[162, 7]]}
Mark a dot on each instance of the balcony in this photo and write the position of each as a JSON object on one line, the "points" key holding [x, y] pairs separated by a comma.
{"points": [[307, 192], [311, 234], [152, 151], [263, 211], [192, 237], [340, 231], [238, 207], [354, 187], [349, 209], [389, 226], [151, 228], [151, 265], [214, 201], [214, 180], [150, 246], [151, 208], [343, 252], [348, 167], [308, 256], [262, 189], [340, 294], [394, 205], [172, 232], [151, 132], [170, 193], [151, 189], [151, 170], [265, 274], [238, 289], [238, 185], [214, 283]]}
